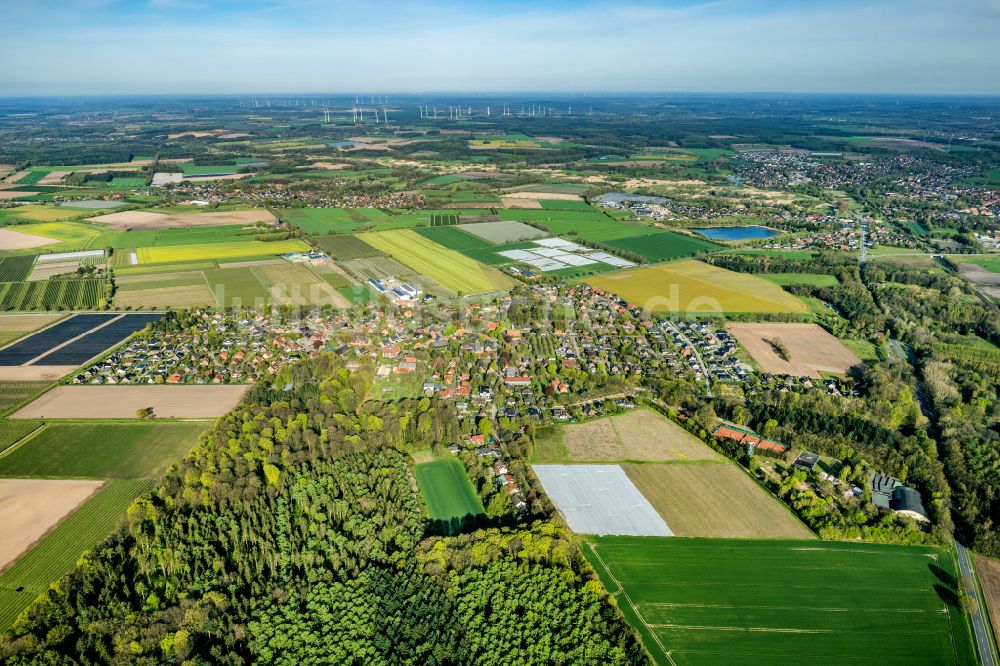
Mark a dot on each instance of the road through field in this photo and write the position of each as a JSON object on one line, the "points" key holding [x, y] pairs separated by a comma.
{"points": [[978, 623]]}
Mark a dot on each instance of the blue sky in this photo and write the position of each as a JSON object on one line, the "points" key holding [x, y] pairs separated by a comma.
{"points": [[202, 46]]}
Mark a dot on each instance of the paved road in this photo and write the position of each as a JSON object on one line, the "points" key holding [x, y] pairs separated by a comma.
{"points": [[978, 623]]}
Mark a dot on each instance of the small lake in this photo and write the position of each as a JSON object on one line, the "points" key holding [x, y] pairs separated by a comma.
{"points": [[735, 233]]}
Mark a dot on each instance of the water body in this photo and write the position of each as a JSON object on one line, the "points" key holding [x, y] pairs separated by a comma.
{"points": [[736, 233]]}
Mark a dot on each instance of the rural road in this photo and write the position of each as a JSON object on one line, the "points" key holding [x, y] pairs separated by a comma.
{"points": [[978, 624]]}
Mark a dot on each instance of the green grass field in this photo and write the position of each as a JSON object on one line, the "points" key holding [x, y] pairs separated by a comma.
{"points": [[59, 551], [447, 490], [693, 287], [447, 267], [814, 279], [101, 451], [701, 602], [33, 176], [992, 264], [334, 220], [663, 246]]}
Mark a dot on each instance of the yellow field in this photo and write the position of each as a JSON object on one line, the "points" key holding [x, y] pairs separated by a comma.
{"points": [[692, 287], [447, 267], [43, 213], [78, 234], [155, 255]]}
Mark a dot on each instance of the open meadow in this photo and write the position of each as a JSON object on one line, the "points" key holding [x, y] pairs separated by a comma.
{"points": [[639, 435], [448, 268], [696, 288], [701, 602]]}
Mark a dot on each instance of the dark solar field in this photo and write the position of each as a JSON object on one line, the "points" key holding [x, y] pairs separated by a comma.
{"points": [[39, 343], [98, 341]]}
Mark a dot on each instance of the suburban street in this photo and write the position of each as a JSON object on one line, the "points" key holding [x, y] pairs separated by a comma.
{"points": [[978, 622]]}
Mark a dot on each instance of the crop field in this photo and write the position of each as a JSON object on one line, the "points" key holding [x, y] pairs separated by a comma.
{"points": [[812, 279], [701, 602], [563, 204], [59, 551], [51, 294], [600, 499], [101, 451], [992, 264], [589, 225], [639, 435], [192, 401], [447, 490], [714, 500], [29, 508], [346, 246], [692, 287], [989, 576], [334, 220], [247, 248], [811, 349], [448, 268], [503, 232], [37, 213], [33, 177], [16, 268], [11, 431], [17, 240], [663, 246], [176, 296], [14, 393]]}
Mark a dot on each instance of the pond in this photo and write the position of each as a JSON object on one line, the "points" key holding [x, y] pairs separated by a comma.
{"points": [[736, 233]]}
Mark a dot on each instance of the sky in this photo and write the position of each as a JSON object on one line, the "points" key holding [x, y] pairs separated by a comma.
{"points": [[94, 47]]}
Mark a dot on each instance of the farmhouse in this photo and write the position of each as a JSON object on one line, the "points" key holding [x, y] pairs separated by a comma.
{"points": [[890, 494]]}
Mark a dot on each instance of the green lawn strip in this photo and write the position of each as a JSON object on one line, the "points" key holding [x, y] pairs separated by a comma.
{"points": [[663, 246], [99, 451], [813, 279], [447, 490], [59, 551]]}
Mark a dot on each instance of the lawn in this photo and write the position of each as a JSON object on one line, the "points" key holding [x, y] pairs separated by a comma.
{"points": [[447, 491], [230, 249], [812, 279], [693, 287], [101, 451], [58, 552], [334, 220], [701, 602], [663, 246], [448, 268]]}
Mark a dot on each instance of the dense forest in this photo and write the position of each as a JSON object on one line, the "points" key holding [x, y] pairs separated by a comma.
{"points": [[294, 533]]}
